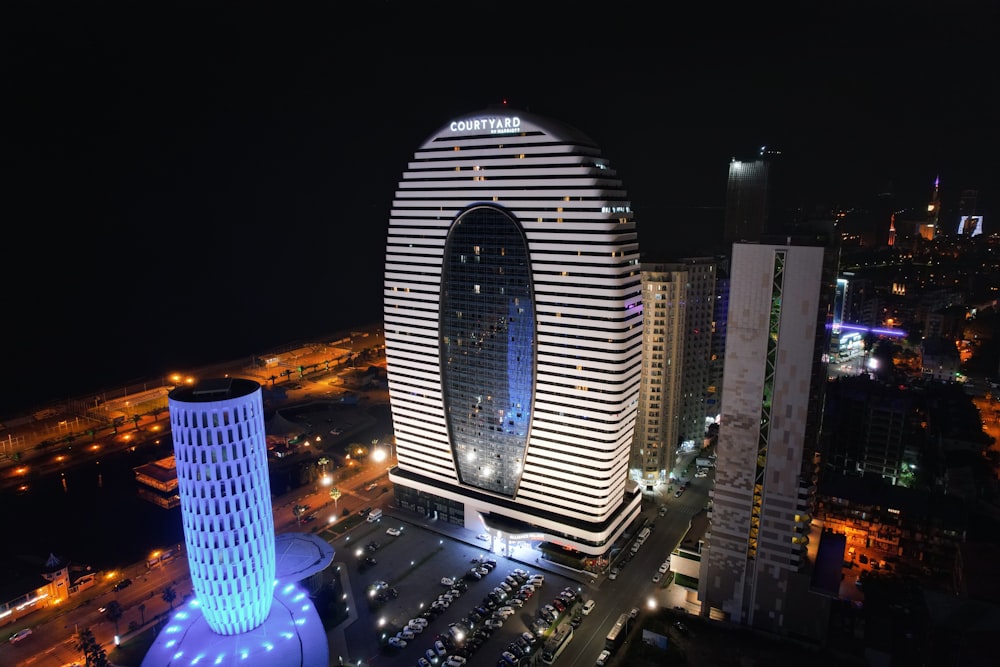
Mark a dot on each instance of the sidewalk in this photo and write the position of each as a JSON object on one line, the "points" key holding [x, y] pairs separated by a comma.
{"points": [[527, 556]]}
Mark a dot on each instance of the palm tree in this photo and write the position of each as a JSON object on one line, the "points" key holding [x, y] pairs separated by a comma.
{"points": [[169, 595], [93, 653], [135, 420], [114, 613], [272, 379]]}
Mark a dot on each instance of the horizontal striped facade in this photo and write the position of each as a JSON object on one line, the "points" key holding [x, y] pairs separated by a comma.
{"points": [[573, 335]]}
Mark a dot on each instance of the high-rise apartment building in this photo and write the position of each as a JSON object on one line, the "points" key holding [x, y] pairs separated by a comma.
{"points": [[513, 332], [247, 604], [699, 325], [716, 364], [678, 301], [749, 198], [657, 432], [756, 566]]}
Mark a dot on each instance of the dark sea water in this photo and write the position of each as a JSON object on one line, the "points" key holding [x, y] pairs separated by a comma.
{"points": [[50, 364], [90, 514]]}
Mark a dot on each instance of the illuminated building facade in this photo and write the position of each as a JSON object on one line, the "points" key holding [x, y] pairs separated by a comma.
{"points": [[929, 229], [513, 332], [756, 571], [246, 604], [222, 476], [678, 299]]}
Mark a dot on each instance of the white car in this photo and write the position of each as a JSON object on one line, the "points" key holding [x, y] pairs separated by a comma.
{"points": [[20, 635], [405, 633], [657, 577], [396, 642], [506, 611], [664, 566], [602, 659], [493, 623], [613, 574], [422, 622], [395, 532], [447, 581], [414, 628], [589, 607]]}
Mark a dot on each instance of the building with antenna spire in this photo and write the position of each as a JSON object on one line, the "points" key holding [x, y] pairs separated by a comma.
{"points": [[929, 228]]}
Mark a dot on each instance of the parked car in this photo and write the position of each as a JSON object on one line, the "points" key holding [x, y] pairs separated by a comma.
{"points": [[396, 642], [664, 566], [602, 659], [589, 607], [613, 574], [447, 581]]}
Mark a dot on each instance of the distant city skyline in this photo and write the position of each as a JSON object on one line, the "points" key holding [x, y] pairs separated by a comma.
{"points": [[247, 181]]}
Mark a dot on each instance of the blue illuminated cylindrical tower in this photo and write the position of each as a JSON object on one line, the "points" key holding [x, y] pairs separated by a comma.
{"points": [[222, 476]]}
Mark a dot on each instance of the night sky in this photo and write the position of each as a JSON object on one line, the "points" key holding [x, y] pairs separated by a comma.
{"points": [[205, 183]]}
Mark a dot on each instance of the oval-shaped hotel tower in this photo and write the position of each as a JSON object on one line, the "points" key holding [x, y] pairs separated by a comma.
{"points": [[222, 480], [513, 332]]}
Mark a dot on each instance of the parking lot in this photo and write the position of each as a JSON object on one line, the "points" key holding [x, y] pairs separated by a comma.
{"points": [[406, 582]]}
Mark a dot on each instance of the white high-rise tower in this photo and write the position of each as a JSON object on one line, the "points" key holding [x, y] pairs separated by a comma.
{"points": [[757, 563], [513, 328]]}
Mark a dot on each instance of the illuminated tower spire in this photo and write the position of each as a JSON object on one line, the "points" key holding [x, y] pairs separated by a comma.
{"points": [[892, 230], [929, 229]]}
